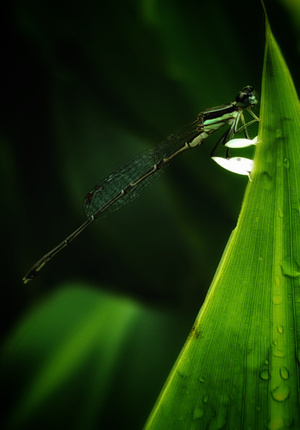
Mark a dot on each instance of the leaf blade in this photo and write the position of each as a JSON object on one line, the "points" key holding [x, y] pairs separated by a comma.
{"points": [[238, 367]]}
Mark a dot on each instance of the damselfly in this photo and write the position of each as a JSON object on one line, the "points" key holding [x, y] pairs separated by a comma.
{"points": [[127, 183]]}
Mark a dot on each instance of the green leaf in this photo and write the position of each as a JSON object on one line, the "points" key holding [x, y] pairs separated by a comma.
{"points": [[239, 368], [80, 354], [51, 348]]}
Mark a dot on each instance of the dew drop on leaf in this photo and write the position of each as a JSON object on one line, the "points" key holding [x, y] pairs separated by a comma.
{"points": [[277, 299], [280, 329], [284, 373], [205, 399], [290, 268], [198, 413], [264, 374], [286, 163], [281, 393]]}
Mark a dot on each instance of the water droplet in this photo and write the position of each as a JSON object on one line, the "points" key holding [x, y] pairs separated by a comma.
{"points": [[280, 329], [266, 362], [205, 399], [280, 213], [198, 413], [275, 342], [268, 179], [286, 163], [219, 420], [281, 393], [201, 379], [290, 268], [276, 423], [277, 299], [278, 280], [264, 374], [284, 373], [278, 353]]}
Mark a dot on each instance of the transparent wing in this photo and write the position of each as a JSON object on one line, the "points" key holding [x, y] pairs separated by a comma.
{"points": [[107, 190]]}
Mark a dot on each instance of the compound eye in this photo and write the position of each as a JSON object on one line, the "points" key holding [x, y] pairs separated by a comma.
{"points": [[246, 97], [247, 89], [242, 98]]}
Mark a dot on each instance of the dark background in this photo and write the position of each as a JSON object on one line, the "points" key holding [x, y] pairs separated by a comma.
{"points": [[87, 86]]}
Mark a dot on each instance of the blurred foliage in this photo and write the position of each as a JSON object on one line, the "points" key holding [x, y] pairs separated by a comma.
{"points": [[88, 85], [78, 353]]}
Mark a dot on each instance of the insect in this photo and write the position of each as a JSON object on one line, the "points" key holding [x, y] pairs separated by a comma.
{"points": [[128, 182]]}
